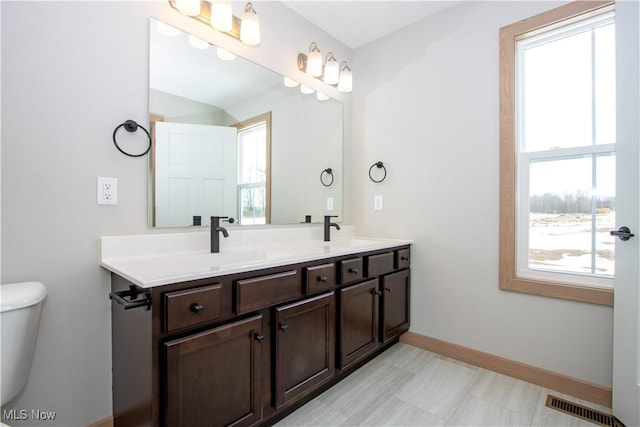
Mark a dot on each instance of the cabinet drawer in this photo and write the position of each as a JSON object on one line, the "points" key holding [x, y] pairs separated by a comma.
{"points": [[351, 270], [380, 264], [191, 307], [320, 278], [403, 258], [264, 291]]}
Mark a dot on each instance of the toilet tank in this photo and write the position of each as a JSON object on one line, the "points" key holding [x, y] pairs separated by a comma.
{"points": [[20, 305]]}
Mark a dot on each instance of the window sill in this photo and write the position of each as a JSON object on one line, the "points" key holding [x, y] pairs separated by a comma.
{"points": [[568, 291]]}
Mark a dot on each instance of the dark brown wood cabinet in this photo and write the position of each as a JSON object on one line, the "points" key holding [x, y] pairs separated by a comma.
{"points": [[358, 321], [213, 378], [305, 347], [247, 348], [395, 298]]}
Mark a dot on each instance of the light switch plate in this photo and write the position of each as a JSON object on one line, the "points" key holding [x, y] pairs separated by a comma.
{"points": [[329, 203]]}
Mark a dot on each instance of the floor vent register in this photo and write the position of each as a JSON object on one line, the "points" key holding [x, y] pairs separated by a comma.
{"points": [[582, 412]]}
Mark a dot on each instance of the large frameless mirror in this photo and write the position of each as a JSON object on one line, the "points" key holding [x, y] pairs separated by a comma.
{"points": [[230, 139]]}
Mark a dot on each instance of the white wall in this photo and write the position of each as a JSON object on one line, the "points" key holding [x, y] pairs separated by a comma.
{"points": [[426, 103], [71, 72]]}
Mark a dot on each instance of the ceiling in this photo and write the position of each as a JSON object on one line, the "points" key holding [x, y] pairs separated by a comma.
{"points": [[358, 22]]}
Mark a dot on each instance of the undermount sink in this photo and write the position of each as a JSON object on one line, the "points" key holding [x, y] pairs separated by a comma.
{"points": [[228, 259], [349, 243]]}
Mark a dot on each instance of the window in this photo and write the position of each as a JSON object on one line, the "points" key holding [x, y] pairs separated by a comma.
{"points": [[254, 151], [557, 162]]}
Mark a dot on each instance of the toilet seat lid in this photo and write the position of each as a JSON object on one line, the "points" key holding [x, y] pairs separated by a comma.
{"points": [[14, 296]]}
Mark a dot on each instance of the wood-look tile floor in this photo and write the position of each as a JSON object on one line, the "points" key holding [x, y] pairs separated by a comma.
{"points": [[408, 386]]}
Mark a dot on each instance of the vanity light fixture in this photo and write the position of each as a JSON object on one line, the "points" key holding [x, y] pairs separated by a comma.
{"points": [[188, 7], [250, 26], [331, 70], [331, 73], [225, 55], [198, 43], [314, 61], [218, 14], [306, 90], [289, 82], [221, 15], [345, 83]]}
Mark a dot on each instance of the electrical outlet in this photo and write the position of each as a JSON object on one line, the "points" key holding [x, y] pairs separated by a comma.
{"points": [[377, 203], [107, 191], [329, 203]]}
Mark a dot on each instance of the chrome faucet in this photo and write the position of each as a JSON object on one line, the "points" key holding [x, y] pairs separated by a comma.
{"points": [[215, 229], [327, 226]]}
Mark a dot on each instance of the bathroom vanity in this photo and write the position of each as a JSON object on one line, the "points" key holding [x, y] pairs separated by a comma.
{"points": [[255, 334]]}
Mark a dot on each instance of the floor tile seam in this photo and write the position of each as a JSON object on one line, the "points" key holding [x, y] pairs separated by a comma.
{"points": [[537, 398], [463, 396], [530, 417], [421, 409]]}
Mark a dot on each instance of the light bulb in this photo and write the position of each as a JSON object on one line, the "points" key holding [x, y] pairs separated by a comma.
{"points": [[198, 43], [250, 26], [321, 96], [221, 15], [225, 55], [331, 70], [188, 7], [306, 89], [345, 84], [314, 61], [290, 83]]}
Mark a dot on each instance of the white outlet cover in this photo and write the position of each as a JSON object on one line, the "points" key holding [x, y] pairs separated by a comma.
{"points": [[329, 203], [377, 203], [107, 191]]}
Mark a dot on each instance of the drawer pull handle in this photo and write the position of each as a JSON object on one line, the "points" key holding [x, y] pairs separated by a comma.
{"points": [[196, 308], [283, 328], [404, 258], [322, 279], [353, 270], [387, 289], [259, 338]]}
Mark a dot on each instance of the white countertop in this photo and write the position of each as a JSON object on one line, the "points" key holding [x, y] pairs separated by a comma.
{"points": [[154, 260]]}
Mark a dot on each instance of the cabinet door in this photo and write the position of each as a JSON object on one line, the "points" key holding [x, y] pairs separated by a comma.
{"points": [[214, 377], [305, 347], [395, 297], [358, 321]]}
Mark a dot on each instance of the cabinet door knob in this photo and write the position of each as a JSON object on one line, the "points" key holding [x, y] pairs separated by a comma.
{"points": [[353, 270], [387, 289], [197, 308], [259, 338], [283, 327], [322, 279], [404, 258]]}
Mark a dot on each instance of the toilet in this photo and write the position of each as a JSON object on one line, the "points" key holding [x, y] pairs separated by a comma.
{"points": [[20, 315]]}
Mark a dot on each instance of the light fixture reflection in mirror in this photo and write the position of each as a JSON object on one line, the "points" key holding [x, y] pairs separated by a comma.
{"points": [[197, 89]]}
